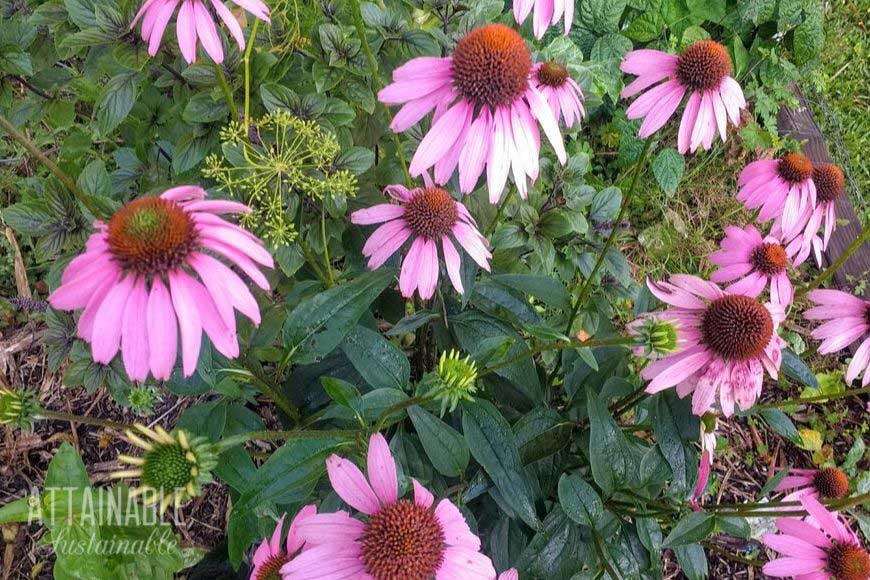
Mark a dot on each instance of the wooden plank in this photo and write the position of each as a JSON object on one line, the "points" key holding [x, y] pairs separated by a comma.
{"points": [[800, 124]]}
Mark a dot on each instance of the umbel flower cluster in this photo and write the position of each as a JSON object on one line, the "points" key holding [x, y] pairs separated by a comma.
{"points": [[163, 270]]}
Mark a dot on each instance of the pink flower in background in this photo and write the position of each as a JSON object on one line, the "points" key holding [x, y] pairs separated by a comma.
{"points": [[270, 556], [547, 12], [848, 321], [431, 218], [486, 111], [195, 22], [510, 574], [709, 423], [821, 548], [783, 188], [828, 483], [563, 94], [730, 339], [703, 71], [398, 539], [755, 262], [137, 287], [830, 184]]}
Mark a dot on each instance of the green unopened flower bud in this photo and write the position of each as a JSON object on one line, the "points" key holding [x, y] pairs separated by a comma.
{"points": [[173, 467], [455, 380], [142, 400], [655, 335], [18, 407]]}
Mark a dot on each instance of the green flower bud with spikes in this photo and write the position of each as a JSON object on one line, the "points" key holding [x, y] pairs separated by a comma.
{"points": [[173, 467], [18, 407], [454, 381], [654, 335]]}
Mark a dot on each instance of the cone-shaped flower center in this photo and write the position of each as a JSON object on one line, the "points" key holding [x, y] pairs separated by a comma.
{"points": [[491, 65], [736, 328], [830, 181], [769, 259], [831, 483], [552, 74], [848, 562], [167, 468], [431, 212], [403, 541], [794, 167], [271, 569], [703, 65], [151, 236]]}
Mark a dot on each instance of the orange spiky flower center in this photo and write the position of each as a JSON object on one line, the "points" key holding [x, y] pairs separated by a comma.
{"points": [[794, 168], [847, 561], [431, 212], [703, 65], [491, 66], [403, 541], [769, 259], [736, 328], [271, 569], [831, 483], [830, 181], [552, 74]]}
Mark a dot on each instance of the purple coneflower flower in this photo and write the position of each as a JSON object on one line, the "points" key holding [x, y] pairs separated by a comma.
{"points": [[848, 320], [486, 111], [270, 555], [563, 94], [136, 282], [431, 217], [195, 22], [547, 12], [703, 70], [782, 188], [399, 538], [827, 483], [821, 548], [730, 339], [754, 262]]}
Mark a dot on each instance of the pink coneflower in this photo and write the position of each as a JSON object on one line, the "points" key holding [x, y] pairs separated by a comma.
{"points": [[848, 321], [195, 22], [137, 287], [755, 262], [492, 125], [830, 184], [431, 217], [547, 12], [563, 94], [270, 556], [827, 483], [824, 550], [781, 188], [398, 539], [730, 339], [703, 70]]}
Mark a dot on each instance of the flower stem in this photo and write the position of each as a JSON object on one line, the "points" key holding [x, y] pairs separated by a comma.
{"points": [[228, 93], [266, 386], [815, 399], [557, 346], [247, 60], [359, 24], [330, 279], [68, 181], [841, 259], [492, 225], [282, 435], [57, 416]]}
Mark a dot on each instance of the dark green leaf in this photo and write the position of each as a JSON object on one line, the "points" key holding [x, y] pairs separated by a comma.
{"points": [[610, 457], [117, 99], [378, 360], [444, 445], [66, 470], [690, 529], [796, 369], [580, 501], [668, 167]]}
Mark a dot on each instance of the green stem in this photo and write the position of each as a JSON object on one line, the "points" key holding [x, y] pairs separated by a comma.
{"points": [[68, 181], [753, 510], [330, 279], [728, 555], [311, 260], [57, 416], [282, 436], [265, 385], [247, 60], [359, 24], [418, 400], [557, 346], [491, 227], [602, 557], [814, 399], [841, 259], [624, 404], [228, 93]]}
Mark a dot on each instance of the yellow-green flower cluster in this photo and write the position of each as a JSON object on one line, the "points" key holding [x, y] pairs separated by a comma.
{"points": [[276, 165], [454, 381], [172, 468], [18, 407]]}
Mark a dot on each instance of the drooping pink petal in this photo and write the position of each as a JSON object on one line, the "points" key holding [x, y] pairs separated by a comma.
{"points": [[381, 468], [294, 539], [208, 33], [377, 214], [134, 335], [408, 277], [162, 331], [185, 28], [351, 485], [189, 322], [455, 528], [465, 564], [107, 324], [328, 562], [329, 528], [422, 496], [453, 263]]}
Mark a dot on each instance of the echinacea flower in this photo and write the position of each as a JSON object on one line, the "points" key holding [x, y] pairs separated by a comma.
{"points": [[271, 556], [455, 380], [708, 425], [136, 285], [782, 188], [656, 335], [432, 218], [754, 262], [563, 94], [830, 184], [848, 321], [486, 111], [825, 549], [703, 70], [826, 483], [195, 22], [547, 12], [399, 538], [730, 340], [173, 466]]}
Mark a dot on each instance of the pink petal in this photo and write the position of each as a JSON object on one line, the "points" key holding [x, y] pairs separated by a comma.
{"points": [[464, 564], [189, 322], [541, 111], [222, 336], [377, 214], [162, 331], [791, 546], [427, 274], [408, 277], [455, 528], [160, 21], [382, 470], [294, 540], [134, 336], [474, 154], [218, 206], [229, 19], [330, 528], [422, 496], [453, 263], [185, 28], [334, 561], [441, 137], [183, 193], [351, 485], [803, 531], [208, 33], [237, 238], [687, 123], [788, 567], [244, 263], [107, 324], [679, 371]]}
